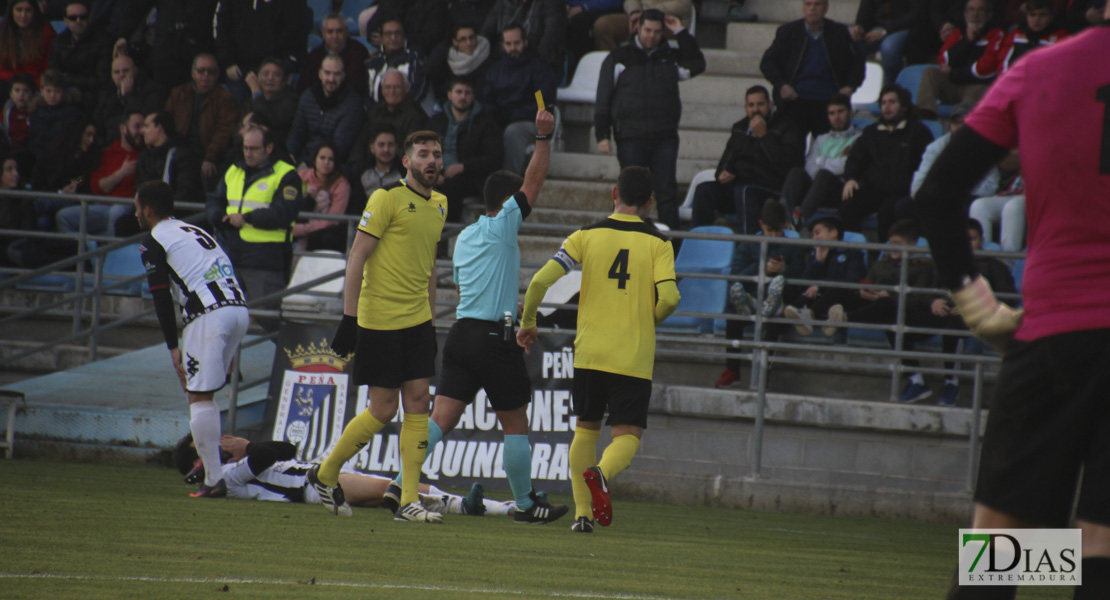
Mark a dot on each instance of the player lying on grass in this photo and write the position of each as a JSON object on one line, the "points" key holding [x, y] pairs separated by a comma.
{"points": [[266, 471]]}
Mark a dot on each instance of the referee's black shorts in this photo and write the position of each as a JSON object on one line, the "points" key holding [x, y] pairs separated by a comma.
{"points": [[476, 356], [624, 398], [1050, 416], [388, 358]]}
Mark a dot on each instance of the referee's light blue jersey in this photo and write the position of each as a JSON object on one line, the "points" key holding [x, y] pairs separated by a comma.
{"points": [[487, 263]]}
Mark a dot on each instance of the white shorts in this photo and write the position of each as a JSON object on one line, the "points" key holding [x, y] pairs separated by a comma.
{"points": [[208, 346]]}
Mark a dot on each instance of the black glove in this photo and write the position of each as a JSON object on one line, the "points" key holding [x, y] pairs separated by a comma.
{"points": [[345, 336]]}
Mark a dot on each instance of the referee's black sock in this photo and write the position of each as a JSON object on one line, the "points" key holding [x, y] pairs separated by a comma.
{"points": [[979, 592], [1096, 579]]}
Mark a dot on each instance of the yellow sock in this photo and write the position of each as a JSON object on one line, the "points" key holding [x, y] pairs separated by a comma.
{"points": [[583, 455], [414, 448], [618, 455], [356, 434]]}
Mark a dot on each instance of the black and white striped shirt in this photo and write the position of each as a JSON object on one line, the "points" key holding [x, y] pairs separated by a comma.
{"points": [[185, 259]]}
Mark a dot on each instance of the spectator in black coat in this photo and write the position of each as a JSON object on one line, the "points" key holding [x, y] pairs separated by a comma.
{"points": [[167, 158], [544, 23], [128, 91], [248, 31], [397, 54], [181, 30], [272, 99], [471, 146], [810, 60], [51, 112], [329, 110], [427, 22], [83, 55], [337, 41], [882, 162]]}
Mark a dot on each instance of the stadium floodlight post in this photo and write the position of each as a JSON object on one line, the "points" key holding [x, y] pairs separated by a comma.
{"points": [[760, 408]]}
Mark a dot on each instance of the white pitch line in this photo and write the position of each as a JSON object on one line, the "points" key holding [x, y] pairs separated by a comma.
{"points": [[344, 584]]}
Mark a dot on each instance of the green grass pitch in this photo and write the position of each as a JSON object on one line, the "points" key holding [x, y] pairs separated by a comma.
{"points": [[81, 530]]}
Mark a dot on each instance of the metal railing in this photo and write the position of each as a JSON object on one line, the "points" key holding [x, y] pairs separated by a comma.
{"points": [[762, 353]]}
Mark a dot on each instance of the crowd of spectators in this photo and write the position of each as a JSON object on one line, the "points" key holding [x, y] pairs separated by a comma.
{"points": [[133, 91]]}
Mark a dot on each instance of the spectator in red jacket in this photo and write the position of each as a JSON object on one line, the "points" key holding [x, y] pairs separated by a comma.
{"points": [[115, 177], [25, 38], [1037, 31], [956, 80]]}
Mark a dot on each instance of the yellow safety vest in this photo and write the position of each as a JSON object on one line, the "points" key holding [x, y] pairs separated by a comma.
{"points": [[258, 195]]}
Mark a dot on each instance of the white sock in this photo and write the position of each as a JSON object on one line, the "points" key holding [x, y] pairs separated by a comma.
{"points": [[205, 425], [917, 378], [951, 381], [495, 507]]}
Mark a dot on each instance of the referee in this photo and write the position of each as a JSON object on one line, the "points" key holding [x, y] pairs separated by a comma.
{"points": [[477, 353], [628, 285]]}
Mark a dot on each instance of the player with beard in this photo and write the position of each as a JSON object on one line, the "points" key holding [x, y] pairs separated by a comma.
{"points": [[388, 301]]}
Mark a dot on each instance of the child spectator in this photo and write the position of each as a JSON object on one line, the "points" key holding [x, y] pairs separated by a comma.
{"points": [[17, 111], [50, 111], [1035, 31], [828, 264], [329, 191], [25, 38], [783, 261]]}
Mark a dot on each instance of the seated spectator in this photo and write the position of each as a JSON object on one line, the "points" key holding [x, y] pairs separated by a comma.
{"points": [[272, 100], [1012, 12], [130, 91], [939, 312], [956, 80], [397, 55], [337, 42], [329, 110], [396, 108], [615, 29], [427, 22], [810, 60], [468, 57], [384, 169], [49, 112], [115, 177], [1082, 14], [763, 147], [783, 262], [1005, 210], [248, 32], [83, 55], [882, 162], [180, 31], [581, 17], [25, 38], [166, 157], [15, 213], [825, 264], [542, 22], [205, 114], [820, 182], [1035, 31], [328, 190], [16, 124], [471, 146], [65, 168], [510, 88], [886, 26]]}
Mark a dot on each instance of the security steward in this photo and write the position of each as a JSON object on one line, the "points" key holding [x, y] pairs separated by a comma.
{"points": [[252, 211]]}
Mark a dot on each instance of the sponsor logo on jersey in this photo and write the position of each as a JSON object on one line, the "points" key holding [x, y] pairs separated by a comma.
{"points": [[365, 219], [219, 270]]}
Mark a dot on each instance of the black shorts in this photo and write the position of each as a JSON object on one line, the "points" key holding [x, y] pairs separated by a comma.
{"points": [[388, 358], [626, 398], [1049, 417], [476, 356]]}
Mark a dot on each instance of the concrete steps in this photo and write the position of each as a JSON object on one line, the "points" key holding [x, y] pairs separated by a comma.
{"points": [[595, 168], [782, 11], [751, 37], [719, 89], [719, 61], [700, 116], [571, 195]]}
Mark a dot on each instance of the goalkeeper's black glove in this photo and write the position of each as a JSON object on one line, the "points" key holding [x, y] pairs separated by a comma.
{"points": [[345, 336]]}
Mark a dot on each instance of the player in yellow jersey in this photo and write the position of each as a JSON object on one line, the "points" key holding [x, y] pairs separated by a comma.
{"points": [[391, 287], [628, 285]]}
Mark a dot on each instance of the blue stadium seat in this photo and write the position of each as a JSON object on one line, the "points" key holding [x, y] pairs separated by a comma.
{"points": [[351, 9], [1018, 271], [933, 126], [48, 283], [861, 122], [320, 9], [909, 78], [856, 237], [59, 26], [120, 264], [705, 256], [698, 295]]}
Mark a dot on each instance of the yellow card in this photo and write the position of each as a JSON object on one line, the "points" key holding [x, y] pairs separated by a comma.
{"points": [[539, 99]]}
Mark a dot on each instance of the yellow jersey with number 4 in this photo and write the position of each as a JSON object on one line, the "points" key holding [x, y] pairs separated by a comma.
{"points": [[622, 259]]}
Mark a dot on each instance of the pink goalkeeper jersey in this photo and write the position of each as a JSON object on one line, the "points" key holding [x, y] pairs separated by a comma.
{"points": [[1054, 106]]}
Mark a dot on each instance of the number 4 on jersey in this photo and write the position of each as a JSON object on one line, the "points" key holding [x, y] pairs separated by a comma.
{"points": [[619, 270]]}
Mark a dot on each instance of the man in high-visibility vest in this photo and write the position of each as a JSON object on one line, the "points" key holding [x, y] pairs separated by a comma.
{"points": [[252, 211]]}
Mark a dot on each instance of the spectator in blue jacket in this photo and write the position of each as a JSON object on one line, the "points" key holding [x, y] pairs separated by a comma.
{"points": [[511, 84], [329, 110], [824, 264], [810, 60]]}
